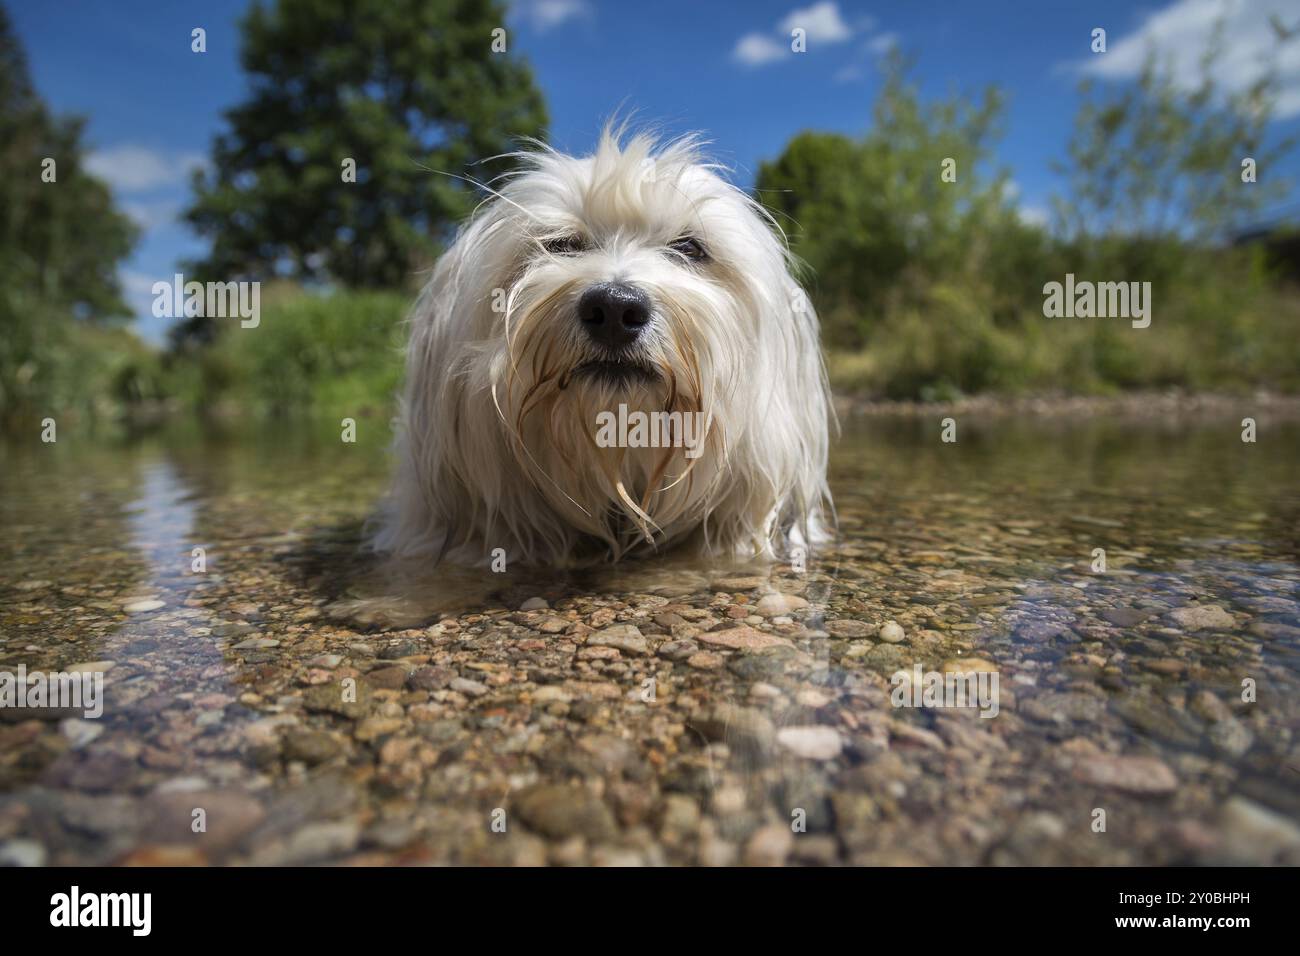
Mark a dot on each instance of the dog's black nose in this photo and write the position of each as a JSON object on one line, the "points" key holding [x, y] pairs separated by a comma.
{"points": [[614, 313]]}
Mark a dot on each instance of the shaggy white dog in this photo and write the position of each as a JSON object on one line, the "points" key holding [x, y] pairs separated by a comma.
{"points": [[585, 291]]}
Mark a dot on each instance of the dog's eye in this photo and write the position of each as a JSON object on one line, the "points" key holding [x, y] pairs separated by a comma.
{"points": [[564, 245], [692, 249]]}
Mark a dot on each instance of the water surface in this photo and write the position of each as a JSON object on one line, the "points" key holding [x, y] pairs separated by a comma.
{"points": [[626, 719]]}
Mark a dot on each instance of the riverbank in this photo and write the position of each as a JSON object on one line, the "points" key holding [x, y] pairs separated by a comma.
{"points": [[1172, 405]]}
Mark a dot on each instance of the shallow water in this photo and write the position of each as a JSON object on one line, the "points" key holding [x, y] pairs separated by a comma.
{"points": [[481, 732]]}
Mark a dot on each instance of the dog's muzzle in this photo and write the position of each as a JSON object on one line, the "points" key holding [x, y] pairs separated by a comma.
{"points": [[614, 314]]}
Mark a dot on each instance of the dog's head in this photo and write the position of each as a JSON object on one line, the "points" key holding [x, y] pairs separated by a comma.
{"points": [[636, 279]]}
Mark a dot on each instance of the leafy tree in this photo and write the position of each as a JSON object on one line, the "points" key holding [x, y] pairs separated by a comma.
{"points": [[1154, 162], [406, 88], [874, 216], [61, 240]]}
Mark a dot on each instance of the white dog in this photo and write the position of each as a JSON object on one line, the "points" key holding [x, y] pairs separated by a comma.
{"points": [[585, 294]]}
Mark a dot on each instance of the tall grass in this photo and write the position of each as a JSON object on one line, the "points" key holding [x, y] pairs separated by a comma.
{"points": [[332, 356]]}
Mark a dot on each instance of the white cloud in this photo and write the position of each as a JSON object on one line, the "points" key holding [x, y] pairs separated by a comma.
{"points": [[821, 23], [1179, 33], [134, 169], [546, 14], [755, 49]]}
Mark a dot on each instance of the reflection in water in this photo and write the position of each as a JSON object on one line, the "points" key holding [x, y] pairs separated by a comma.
{"points": [[671, 710]]}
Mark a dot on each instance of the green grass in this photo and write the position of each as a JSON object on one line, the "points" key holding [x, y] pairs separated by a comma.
{"points": [[333, 356]]}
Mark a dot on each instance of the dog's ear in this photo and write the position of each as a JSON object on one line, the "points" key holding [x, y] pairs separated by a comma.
{"points": [[799, 417], [437, 413]]}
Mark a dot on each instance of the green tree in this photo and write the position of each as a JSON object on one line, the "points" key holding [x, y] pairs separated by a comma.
{"points": [[1155, 161], [407, 89], [876, 218], [61, 241]]}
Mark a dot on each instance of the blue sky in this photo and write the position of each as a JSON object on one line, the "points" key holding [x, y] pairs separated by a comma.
{"points": [[724, 68]]}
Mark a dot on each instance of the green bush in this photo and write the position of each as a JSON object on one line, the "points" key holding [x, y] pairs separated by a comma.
{"points": [[336, 355]]}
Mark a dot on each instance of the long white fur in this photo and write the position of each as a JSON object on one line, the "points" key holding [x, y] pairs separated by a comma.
{"points": [[496, 447]]}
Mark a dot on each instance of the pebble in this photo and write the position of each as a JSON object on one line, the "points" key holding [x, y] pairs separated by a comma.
{"points": [[317, 842], [625, 637], [769, 845], [1125, 616], [561, 811], [849, 628], [1208, 617], [1256, 835], [142, 607], [389, 678], [742, 638], [742, 728], [80, 732], [772, 605], [812, 743], [677, 650], [431, 678], [312, 747], [21, 853], [255, 643], [891, 632], [1137, 775], [470, 688], [705, 661], [534, 604]]}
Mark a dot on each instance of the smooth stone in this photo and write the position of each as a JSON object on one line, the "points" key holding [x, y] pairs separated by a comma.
{"points": [[769, 845], [705, 661], [625, 637], [470, 688], [141, 607], [773, 605], [389, 678], [321, 841], [742, 638], [256, 643], [80, 732], [22, 853], [1208, 617], [1137, 775], [847, 627], [813, 743], [742, 728], [1255, 834], [312, 747], [560, 811], [891, 632], [1125, 616]]}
